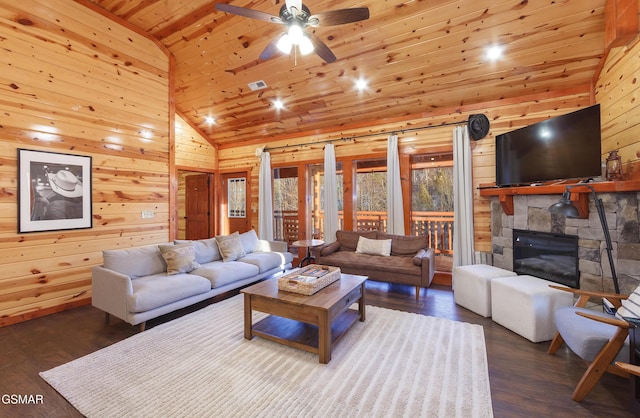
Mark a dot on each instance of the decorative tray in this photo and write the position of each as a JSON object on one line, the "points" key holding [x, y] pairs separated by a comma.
{"points": [[308, 280]]}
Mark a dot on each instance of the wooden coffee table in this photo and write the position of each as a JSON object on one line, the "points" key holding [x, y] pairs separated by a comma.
{"points": [[312, 323]]}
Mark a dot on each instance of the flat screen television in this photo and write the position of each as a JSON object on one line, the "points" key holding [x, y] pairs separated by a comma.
{"points": [[560, 148]]}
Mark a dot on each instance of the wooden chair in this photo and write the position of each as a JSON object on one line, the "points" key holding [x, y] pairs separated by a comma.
{"points": [[598, 338]]}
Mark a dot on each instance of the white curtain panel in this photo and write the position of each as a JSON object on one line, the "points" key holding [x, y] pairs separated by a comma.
{"points": [[463, 198], [395, 209], [265, 198], [330, 194]]}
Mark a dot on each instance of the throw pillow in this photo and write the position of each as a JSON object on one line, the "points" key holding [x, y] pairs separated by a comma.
{"points": [[206, 249], [179, 258], [374, 246], [250, 241], [330, 248], [631, 306], [230, 247]]}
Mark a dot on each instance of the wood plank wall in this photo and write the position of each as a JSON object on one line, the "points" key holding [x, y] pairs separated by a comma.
{"points": [[618, 92], [72, 81], [194, 155], [503, 115]]}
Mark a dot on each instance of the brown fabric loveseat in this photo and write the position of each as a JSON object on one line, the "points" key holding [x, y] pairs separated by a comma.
{"points": [[410, 262]]}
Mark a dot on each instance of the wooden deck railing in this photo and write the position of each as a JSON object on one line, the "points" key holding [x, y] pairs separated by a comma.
{"points": [[437, 226]]}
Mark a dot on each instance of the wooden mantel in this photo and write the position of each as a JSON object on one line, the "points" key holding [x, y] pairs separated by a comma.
{"points": [[579, 195]]}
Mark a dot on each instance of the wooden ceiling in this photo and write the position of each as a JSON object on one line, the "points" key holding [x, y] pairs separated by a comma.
{"points": [[418, 56]]}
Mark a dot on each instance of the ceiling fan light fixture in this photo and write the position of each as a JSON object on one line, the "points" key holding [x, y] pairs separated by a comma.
{"points": [[295, 34], [285, 44], [306, 46]]}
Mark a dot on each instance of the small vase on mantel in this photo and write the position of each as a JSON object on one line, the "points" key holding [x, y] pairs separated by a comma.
{"points": [[614, 166]]}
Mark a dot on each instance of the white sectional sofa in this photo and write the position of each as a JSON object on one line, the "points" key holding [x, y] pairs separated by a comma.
{"points": [[138, 284]]}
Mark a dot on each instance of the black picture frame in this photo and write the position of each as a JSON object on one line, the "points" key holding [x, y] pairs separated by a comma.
{"points": [[54, 191]]}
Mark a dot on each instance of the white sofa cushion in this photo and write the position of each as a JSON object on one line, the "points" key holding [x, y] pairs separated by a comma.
{"points": [[157, 290], [206, 249], [266, 261], [219, 273], [250, 241], [135, 262]]}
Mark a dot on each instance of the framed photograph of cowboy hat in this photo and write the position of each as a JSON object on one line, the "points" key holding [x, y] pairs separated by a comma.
{"points": [[54, 191]]}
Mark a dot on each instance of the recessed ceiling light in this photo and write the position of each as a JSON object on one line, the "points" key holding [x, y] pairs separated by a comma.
{"points": [[494, 52], [361, 84], [210, 120], [278, 104]]}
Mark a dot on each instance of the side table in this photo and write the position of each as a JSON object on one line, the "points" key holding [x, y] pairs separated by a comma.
{"points": [[309, 244]]}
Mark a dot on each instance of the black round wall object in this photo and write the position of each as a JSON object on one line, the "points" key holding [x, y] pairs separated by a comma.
{"points": [[478, 126]]}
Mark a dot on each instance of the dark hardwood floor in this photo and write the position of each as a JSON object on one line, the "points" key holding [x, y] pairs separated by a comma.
{"points": [[525, 380]]}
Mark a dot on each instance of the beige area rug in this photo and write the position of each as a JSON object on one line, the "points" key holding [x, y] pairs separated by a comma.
{"points": [[200, 365]]}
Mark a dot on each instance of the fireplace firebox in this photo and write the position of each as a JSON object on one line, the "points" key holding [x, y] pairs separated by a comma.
{"points": [[549, 256]]}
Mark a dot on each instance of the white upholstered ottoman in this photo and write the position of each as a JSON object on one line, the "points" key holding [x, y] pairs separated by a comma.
{"points": [[472, 286], [526, 305]]}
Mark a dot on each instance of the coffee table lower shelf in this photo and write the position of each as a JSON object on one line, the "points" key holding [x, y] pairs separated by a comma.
{"points": [[301, 335]]}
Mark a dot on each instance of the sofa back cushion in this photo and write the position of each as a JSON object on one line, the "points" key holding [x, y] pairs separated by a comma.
{"points": [[405, 245], [250, 241], [349, 239], [135, 262], [206, 249]]}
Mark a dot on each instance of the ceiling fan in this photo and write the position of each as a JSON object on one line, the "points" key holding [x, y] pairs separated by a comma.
{"points": [[296, 17]]}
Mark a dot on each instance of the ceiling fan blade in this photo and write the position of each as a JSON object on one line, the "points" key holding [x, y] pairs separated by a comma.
{"points": [[271, 48], [339, 17], [243, 11], [322, 49]]}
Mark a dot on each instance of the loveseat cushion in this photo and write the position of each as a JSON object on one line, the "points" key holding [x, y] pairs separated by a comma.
{"points": [[220, 273], [349, 239], [135, 262], [405, 245], [206, 249], [351, 260], [157, 290], [267, 261]]}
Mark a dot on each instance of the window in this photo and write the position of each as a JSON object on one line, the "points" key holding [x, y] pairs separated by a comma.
{"points": [[371, 195], [285, 204], [318, 198], [237, 188], [432, 199]]}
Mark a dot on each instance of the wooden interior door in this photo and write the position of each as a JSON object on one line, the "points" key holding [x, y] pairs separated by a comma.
{"points": [[197, 206], [234, 214]]}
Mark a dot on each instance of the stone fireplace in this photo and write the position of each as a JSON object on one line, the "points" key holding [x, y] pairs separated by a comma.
{"points": [[622, 212]]}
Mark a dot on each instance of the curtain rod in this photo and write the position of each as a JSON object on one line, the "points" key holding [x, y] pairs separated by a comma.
{"points": [[351, 138]]}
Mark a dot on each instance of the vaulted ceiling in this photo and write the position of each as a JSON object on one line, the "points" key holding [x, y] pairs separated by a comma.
{"points": [[418, 56]]}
